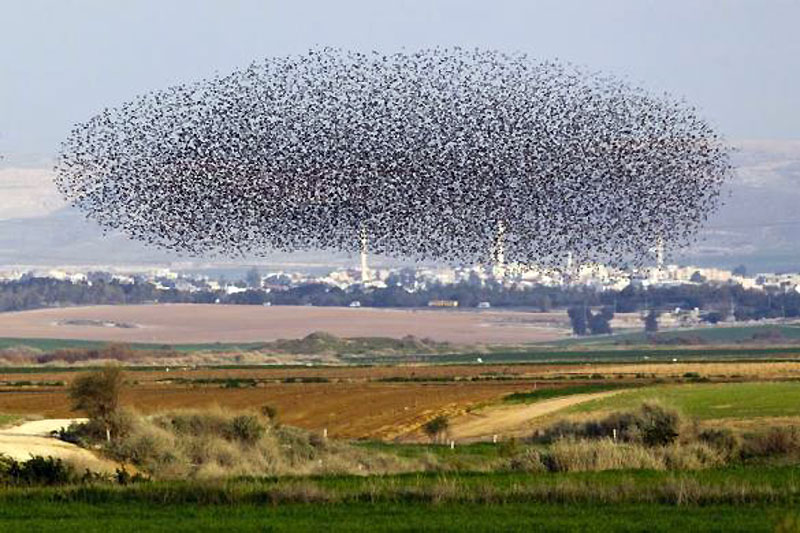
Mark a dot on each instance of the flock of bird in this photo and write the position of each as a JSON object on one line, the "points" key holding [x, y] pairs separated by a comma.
{"points": [[443, 154]]}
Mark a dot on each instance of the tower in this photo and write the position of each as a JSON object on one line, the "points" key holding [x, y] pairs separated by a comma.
{"points": [[365, 275]]}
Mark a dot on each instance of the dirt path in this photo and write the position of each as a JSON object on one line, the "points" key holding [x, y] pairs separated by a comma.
{"points": [[513, 420], [33, 438]]}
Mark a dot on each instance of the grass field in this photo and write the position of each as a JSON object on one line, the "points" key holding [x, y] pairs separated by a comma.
{"points": [[711, 400], [753, 499], [110, 518], [546, 393], [712, 335]]}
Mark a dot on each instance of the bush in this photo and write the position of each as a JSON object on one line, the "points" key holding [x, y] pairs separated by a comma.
{"points": [[692, 456], [509, 448], [778, 440], [270, 412], [651, 425], [724, 440], [246, 429], [526, 460], [37, 470], [585, 455], [436, 427]]}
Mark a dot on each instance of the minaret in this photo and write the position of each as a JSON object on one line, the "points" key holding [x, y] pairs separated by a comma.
{"points": [[365, 276], [499, 252], [660, 254], [569, 271]]}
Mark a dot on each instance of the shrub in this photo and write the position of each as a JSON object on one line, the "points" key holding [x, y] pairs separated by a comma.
{"points": [[526, 460], [37, 470], [724, 440], [658, 425], [778, 440], [587, 455], [246, 429], [435, 427], [651, 425], [509, 448], [270, 412], [692, 456]]}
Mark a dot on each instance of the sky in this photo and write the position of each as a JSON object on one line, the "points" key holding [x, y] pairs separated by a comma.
{"points": [[61, 61]]}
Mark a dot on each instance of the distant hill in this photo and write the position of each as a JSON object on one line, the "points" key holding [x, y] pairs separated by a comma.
{"points": [[759, 226]]}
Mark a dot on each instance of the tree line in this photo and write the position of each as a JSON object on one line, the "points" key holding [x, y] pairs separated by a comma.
{"points": [[716, 302]]}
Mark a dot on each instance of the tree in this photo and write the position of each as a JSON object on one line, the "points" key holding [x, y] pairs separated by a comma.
{"points": [[97, 394], [253, 278], [436, 427], [651, 321], [577, 318], [697, 277], [600, 323]]}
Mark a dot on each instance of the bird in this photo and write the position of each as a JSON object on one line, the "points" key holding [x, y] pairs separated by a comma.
{"points": [[427, 153]]}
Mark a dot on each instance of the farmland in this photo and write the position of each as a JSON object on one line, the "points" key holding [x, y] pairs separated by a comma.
{"points": [[402, 397], [374, 411], [603, 501], [193, 324], [713, 401]]}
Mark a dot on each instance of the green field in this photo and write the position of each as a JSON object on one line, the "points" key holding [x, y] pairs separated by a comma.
{"points": [[109, 518], [710, 400], [710, 335], [547, 393], [739, 499]]}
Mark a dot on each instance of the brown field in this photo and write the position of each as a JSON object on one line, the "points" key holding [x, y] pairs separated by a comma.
{"points": [[187, 323], [340, 373], [519, 372], [347, 410], [355, 404]]}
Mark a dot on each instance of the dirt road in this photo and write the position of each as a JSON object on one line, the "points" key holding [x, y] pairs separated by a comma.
{"points": [[513, 420], [33, 438]]}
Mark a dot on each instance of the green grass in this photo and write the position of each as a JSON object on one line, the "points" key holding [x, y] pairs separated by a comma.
{"points": [[110, 518], [734, 499], [557, 392], [710, 400], [7, 420], [472, 456], [710, 335]]}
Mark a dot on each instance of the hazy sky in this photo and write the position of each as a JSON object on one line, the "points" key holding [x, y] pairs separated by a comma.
{"points": [[62, 61]]}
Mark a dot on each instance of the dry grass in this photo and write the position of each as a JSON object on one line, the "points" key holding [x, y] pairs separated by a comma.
{"points": [[750, 370], [216, 443]]}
